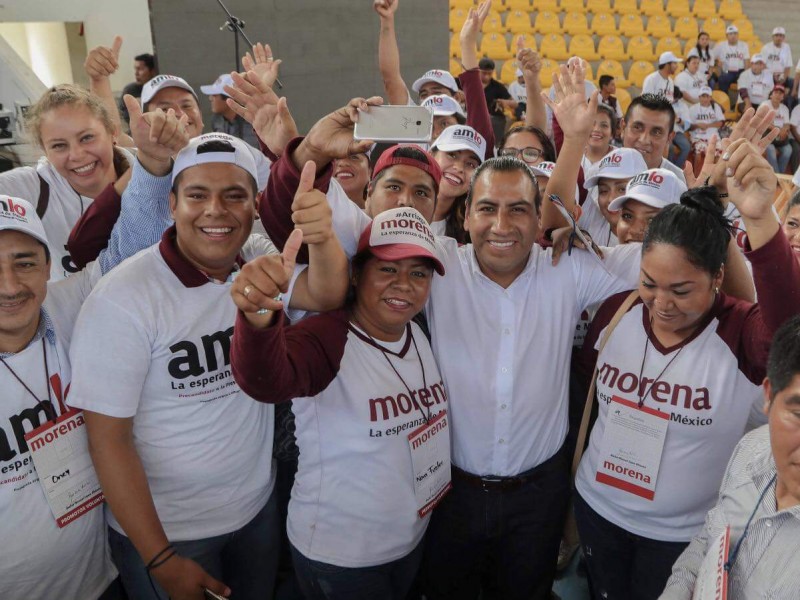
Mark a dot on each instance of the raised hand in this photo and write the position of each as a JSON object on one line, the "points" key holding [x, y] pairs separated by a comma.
{"points": [[262, 63], [529, 61], [262, 280], [753, 127], [386, 8], [311, 212], [751, 180], [474, 23], [713, 170], [575, 116], [158, 136], [256, 103], [102, 62]]}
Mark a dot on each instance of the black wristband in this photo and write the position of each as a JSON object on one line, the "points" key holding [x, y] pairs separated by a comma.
{"points": [[153, 567], [153, 564]]}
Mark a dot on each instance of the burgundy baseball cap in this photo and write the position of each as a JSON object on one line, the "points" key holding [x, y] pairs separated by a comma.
{"points": [[400, 233], [389, 159]]}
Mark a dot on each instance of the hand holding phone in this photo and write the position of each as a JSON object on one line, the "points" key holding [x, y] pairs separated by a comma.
{"points": [[212, 596]]}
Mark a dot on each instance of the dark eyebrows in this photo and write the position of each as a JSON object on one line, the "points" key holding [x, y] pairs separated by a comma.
{"points": [[19, 255], [793, 400], [674, 285]]}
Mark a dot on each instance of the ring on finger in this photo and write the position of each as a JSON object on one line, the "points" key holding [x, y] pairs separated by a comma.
{"points": [[247, 290]]}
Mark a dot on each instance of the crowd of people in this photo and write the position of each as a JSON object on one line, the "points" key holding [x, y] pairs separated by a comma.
{"points": [[257, 364]]}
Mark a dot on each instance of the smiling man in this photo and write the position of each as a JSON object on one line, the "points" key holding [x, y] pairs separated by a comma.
{"points": [[649, 128]]}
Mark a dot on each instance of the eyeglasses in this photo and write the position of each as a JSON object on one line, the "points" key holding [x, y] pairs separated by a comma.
{"points": [[529, 154]]}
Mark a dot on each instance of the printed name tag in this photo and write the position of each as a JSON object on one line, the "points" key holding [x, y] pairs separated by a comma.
{"points": [[430, 461], [630, 453], [712, 578], [60, 453]]}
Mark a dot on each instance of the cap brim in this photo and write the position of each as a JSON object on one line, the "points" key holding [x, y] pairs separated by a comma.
{"points": [[395, 252], [617, 203], [212, 90], [27, 231], [590, 182], [453, 147]]}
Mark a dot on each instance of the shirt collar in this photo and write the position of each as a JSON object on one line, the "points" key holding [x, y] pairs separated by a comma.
{"points": [[475, 267], [44, 330], [189, 275]]}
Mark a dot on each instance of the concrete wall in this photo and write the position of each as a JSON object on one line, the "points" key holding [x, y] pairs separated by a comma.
{"points": [[329, 47]]}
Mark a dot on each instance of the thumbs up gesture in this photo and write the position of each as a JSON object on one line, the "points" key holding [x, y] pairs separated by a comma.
{"points": [[102, 62], [261, 281], [158, 136], [311, 212]]}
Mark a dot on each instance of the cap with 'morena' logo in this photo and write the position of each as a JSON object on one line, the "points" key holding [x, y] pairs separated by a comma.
{"points": [[461, 137], [400, 233], [622, 163], [17, 214], [655, 187]]}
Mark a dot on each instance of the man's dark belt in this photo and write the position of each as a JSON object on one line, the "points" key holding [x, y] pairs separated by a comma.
{"points": [[502, 484]]}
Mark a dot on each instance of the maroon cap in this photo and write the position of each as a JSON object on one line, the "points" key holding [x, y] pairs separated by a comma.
{"points": [[388, 159]]}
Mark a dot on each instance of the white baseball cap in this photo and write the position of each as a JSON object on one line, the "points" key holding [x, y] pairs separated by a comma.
{"points": [[159, 82], [230, 150], [543, 169], [461, 137], [704, 91], [622, 163], [443, 105], [655, 187], [779, 31], [757, 58], [731, 29], [216, 88], [519, 73], [443, 78], [17, 214], [668, 57], [400, 233]]}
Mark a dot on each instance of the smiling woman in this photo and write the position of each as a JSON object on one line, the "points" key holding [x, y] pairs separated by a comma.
{"points": [[78, 137]]}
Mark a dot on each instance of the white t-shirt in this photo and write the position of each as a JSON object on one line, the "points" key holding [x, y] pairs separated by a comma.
{"points": [[518, 91], [681, 109], [731, 57], [658, 85], [152, 342], [705, 114], [64, 208], [707, 64], [758, 86], [670, 166], [781, 115], [777, 59], [690, 85], [794, 119]]}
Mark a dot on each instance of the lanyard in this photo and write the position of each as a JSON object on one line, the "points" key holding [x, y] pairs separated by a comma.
{"points": [[660, 375], [46, 372], [735, 553], [427, 417]]}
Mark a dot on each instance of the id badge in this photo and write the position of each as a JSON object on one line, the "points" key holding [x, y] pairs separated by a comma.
{"points": [[630, 453], [430, 461], [712, 578], [60, 452]]}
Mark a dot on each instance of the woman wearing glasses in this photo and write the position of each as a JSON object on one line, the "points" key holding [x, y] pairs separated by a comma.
{"points": [[528, 143]]}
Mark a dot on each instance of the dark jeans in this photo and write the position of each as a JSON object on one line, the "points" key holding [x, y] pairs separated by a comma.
{"points": [[504, 542], [727, 79], [245, 560], [389, 581], [622, 565], [113, 591]]}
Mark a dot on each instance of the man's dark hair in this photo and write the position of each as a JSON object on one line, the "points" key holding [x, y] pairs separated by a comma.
{"points": [[404, 152], [507, 164], [548, 149], [697, 226], [604, 80], [147, 59], [653, 102], [784, 356]]}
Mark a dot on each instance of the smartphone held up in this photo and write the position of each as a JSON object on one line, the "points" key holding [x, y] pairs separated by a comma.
{"points": [[395, 124]]}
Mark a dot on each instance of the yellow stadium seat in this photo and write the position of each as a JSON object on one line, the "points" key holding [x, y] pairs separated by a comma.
{"points": [[571, 5], [624, 7], [508, 71], [523, 5], [703, 9], [583, 45], [554, 47], [724, 102], [604, 24], [493, 23], [455, 68], [730, 9], [462, 4], [494, 46], [715, 28], [519, 22], [669, 44], [678, 8], [613, 68], [575, 23], [745, 27], [638, 71], [755, 45], [658, 26], [598, 6], [631, 26], [546, 74], [610, 47], [686, 28], [457, 18], [455, 46], [652, 7], [546, 6], [640, 48], [547, 22], [624, 98]]}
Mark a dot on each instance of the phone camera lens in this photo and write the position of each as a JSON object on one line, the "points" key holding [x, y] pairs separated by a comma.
{"points": [[419, 122]]}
